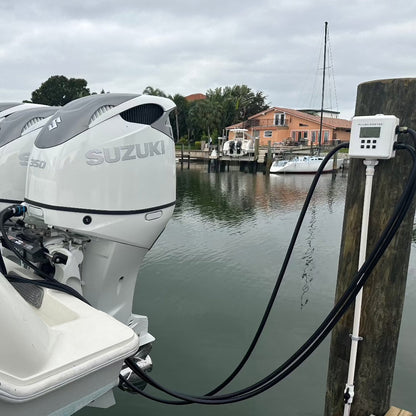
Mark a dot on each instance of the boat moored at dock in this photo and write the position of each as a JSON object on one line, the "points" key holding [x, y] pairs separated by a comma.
{"points": [[301, 164], [241, 145]]}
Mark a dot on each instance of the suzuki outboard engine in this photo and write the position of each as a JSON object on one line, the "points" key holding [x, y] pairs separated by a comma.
{"points": [[102, 179], [18, 132]]}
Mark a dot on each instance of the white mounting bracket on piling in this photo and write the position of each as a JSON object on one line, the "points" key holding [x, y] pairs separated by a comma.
{"points": [[372, 138], [355, 337]]}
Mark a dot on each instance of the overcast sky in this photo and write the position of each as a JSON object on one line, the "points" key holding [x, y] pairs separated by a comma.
{"points": [[190, 46]]}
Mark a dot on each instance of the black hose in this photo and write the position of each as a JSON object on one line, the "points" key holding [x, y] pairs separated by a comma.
{"points": [[4, 216], [413, 134], [333, 317], [281, 273], [3, 269], [17, 210], [406, 130], [49, 284]]}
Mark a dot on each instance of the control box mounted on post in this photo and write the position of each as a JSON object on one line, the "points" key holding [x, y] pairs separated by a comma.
{"points": [[373, 137]]}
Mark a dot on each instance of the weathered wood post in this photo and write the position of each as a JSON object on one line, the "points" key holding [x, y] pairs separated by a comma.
{"points": [[182, 148], [269, 157], [384, 292], [256, 151]]}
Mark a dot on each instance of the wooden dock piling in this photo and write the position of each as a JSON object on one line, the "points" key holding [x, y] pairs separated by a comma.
{"points": [[383, 294], [269, 157], [182, 146]]}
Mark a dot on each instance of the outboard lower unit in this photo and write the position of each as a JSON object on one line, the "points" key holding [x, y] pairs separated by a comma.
{"points": [[100, 189]]}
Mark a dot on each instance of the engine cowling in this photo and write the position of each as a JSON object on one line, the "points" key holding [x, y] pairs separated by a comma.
{"points": [[18, 132], [104, 166]]}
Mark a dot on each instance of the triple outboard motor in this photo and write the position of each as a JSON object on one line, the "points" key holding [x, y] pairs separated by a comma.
{"points": [[100, 188]]}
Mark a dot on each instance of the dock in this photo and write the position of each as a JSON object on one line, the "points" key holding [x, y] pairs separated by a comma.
{"points": [[260, 161], [394, 411]]}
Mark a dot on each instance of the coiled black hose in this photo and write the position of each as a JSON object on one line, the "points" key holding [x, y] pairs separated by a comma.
{"points": [[323, 330]]}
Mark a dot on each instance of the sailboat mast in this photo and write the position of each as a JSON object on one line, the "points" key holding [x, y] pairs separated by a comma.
{"points": [[323, 89]]}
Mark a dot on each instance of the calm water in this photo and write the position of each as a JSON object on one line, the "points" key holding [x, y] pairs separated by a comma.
{"points": [[205, 284]]}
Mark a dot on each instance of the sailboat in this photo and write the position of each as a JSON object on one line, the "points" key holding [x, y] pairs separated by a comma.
{"points": [[308, 164]]}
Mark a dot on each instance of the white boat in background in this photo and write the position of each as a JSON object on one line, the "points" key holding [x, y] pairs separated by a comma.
{"points": [[241, 145], [301, 164]]}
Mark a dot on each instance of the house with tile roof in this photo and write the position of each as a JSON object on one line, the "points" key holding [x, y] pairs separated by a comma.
{"points": [[293, 127], [195, 97]]}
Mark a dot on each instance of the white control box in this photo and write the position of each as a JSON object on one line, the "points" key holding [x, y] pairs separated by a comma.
{"points": [[373, 137]]}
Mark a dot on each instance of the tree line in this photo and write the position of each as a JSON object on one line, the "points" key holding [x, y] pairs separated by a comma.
{"points": [[192, 121]]}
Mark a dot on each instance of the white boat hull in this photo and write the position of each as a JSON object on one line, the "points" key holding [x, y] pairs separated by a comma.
{"points": [[59, 355], [301, 165]]}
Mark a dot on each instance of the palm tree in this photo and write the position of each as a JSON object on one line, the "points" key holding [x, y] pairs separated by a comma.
{"points": [[154, 91]]}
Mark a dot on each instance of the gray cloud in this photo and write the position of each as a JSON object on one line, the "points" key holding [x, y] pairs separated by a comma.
{"points": [[188, 46]]}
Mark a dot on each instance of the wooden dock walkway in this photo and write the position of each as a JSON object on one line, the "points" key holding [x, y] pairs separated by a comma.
{"points": [[259, 162], [395, 411], [203, 155]]}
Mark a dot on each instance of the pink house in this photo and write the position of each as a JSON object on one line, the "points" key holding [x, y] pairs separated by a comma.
{"points": [[286, 126]]}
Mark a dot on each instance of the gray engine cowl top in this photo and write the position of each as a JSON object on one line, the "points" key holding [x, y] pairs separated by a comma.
{"points": [[15, 124], [76, 117], [5, 106]]}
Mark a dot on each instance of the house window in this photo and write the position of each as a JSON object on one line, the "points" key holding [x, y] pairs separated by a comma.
{"points": [[268, 133], [300, 135], [315, 136], [256, 134], [280, 119]]}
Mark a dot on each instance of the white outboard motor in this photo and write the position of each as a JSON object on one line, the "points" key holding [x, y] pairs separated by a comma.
{"points": [[18, 132], [103, 170]]}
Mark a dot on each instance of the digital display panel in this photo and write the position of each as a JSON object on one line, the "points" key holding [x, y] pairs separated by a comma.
{"points": [[370, 132]]}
